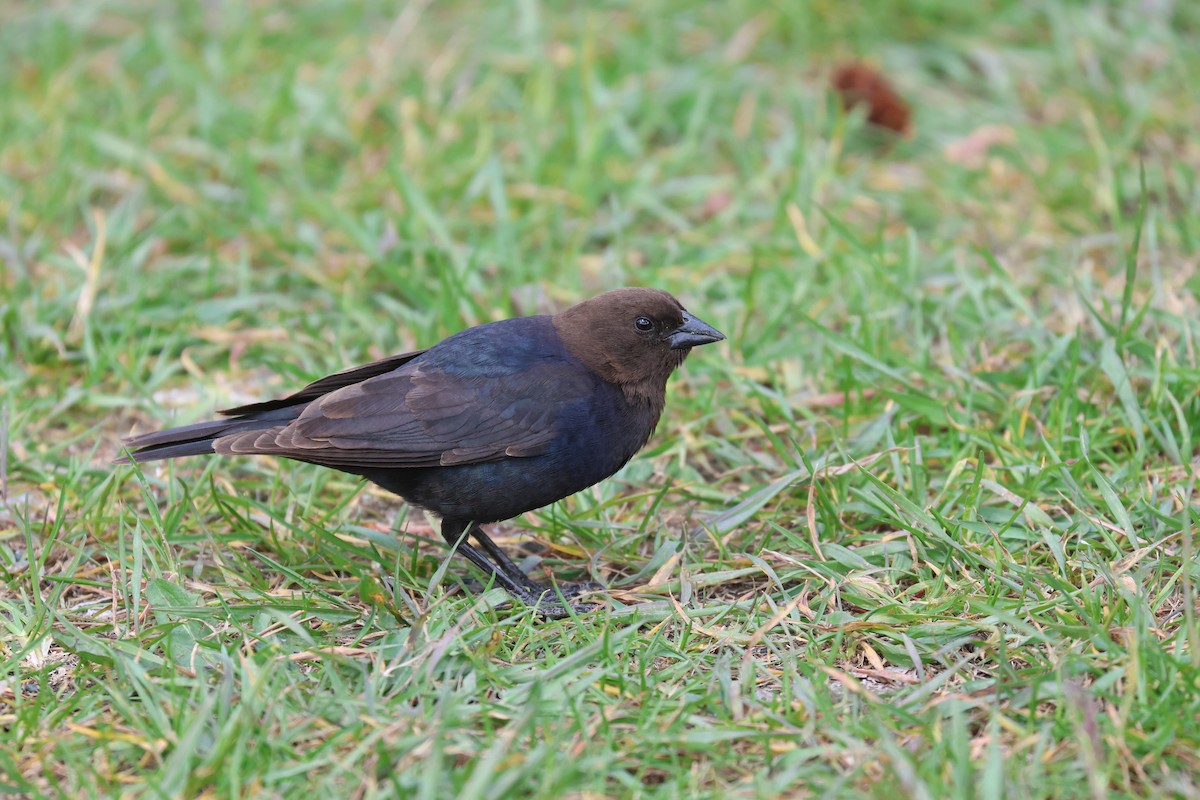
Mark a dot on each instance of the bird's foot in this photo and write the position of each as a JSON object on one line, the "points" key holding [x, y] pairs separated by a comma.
{"points": [[549, 603], [570, 591], [547, 610]]}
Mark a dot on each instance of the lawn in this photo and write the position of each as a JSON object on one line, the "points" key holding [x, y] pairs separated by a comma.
{"points": [[923, 526]]}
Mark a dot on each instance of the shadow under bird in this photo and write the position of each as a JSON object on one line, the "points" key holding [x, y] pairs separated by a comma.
{"points": [[494, 421]]}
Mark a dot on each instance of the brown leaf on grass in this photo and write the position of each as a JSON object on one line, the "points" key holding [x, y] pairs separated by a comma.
{"points": [[860, 84], [971, 151]]}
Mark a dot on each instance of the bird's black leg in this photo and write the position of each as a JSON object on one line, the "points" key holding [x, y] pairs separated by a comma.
{"points": [[523, 588], [569, 591], [501, 559], [455, 534]]}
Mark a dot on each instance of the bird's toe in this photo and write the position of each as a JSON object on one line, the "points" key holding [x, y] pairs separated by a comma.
{"points": [[550, 611], [570, 591]]}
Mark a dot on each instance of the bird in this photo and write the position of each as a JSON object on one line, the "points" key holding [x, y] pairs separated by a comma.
{"points": [[494, 421]]}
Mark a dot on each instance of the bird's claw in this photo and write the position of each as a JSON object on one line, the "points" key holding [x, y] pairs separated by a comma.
{"points": [[547, 601], [550, 605], [570, 591], [558, 611]]}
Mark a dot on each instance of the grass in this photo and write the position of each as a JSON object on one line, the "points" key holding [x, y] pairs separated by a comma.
{"points": [[924, 525]]}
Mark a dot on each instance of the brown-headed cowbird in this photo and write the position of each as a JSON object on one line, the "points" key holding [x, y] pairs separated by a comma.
{"points": [[491, 422]]}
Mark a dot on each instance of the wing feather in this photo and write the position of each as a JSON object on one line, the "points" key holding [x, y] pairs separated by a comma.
{"points": [[422, 414]]}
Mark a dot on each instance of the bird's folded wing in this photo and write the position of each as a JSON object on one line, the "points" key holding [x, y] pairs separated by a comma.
{"points": [[324, 386], [419, 416]]}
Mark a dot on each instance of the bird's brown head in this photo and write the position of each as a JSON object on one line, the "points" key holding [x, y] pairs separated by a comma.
{"points": [[633, 337]]}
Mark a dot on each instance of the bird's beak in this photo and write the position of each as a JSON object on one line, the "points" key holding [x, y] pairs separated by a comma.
{"points": [[693, 333]]}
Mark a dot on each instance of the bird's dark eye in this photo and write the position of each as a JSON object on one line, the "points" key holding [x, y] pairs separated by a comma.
{"points": [[643, 324]]}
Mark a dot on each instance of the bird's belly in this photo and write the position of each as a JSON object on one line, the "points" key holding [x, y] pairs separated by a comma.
{"points": [[502, 489], [490, 492]]}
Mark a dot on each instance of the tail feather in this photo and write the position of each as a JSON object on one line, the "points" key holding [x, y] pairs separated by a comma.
{"points": [[163, 451], [199, 439], [191, 440]]}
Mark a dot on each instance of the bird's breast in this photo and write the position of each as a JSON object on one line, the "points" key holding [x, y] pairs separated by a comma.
{"points": [[594, 438]]}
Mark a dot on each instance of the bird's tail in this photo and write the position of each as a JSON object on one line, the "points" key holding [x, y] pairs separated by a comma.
{"points": [[198, 439], [187, 440]]}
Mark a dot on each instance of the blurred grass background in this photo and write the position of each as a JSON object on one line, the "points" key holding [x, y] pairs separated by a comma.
{"points": [[940, 477]]}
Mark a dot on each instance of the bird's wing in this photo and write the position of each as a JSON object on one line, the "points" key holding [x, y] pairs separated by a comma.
{"points": [[323, 386], [424, 415]]}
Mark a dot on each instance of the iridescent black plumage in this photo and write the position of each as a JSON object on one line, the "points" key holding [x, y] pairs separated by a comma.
{"points": [[491, 422]]}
